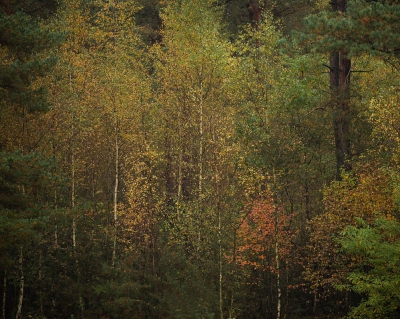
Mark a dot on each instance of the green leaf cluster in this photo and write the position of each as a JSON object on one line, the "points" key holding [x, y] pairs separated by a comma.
{"points": [[377, 277]]}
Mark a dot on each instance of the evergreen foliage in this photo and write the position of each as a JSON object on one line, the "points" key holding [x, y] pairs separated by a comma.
{"points": [[366, 27], [26, 53]]}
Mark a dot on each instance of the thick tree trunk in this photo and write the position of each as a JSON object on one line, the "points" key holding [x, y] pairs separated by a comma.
{"points": [[340, 67], [254, 11]]}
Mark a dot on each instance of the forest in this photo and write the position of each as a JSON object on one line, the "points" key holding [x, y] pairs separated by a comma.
{"points": [[199, 159]]}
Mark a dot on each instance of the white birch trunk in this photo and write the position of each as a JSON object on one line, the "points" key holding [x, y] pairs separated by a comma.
{"points": [[277, 263]]}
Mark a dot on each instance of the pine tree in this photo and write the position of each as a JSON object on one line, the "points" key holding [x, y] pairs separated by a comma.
{"points": [[26, 44], [25, 53], [351, 29]]}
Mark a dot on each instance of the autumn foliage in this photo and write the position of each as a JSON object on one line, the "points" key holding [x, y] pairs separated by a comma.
{"points": [[199, 159], [262, 227], [365, 195]]}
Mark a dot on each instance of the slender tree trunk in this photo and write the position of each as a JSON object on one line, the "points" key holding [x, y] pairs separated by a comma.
{"points": [[340, 67], [232, 298], [315, 303], [278, 276], [114, 101], [116, 183], [217, 171], [40, 282], [55, 205], [220, 266], [56, 221], [277, 253], [180, 163], [72, 172], [201, 142], [4, 295], [21, 285], [73, 199], [168, 174]]}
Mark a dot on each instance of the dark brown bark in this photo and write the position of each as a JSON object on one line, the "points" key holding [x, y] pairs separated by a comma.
{"points": [[6, 7], [340, 67], [254, 11]]}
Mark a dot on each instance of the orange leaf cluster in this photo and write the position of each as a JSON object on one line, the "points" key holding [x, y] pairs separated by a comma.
{"points": [[263, 227]]}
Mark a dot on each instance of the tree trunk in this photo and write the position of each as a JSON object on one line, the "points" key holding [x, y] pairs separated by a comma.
{"points": [[73, 197], [315, 304], [72, 172], [21, 285], [277, 253], [220, 264], [232, 298], [180, 162], [116, 144], [40, 282], [254, 11], [340, 67], [168, 174], [200, 164], [116, 183], [4, 295], [55, 221], [277, 263], [201, 142]]}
